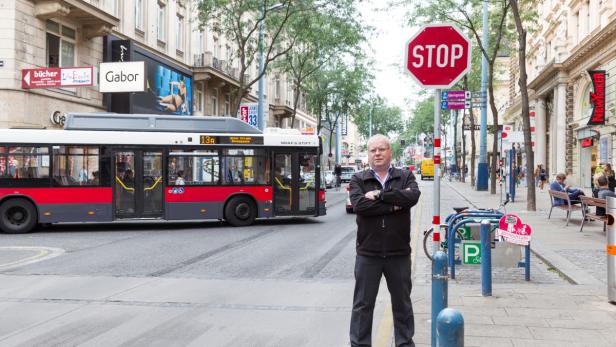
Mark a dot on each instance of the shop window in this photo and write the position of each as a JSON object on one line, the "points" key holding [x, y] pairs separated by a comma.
{"points": [[199, 99], [76, 166], [60, 45]]}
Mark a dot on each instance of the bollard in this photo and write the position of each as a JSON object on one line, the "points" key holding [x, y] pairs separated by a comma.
{"points": [[450, 328], [486, 259], [439, 288]]}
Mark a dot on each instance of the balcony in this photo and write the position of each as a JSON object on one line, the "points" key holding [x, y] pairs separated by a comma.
{"points": [[94, 20], [216, 71]]}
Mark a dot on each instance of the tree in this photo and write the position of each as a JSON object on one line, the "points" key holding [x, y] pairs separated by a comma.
{"points": [[386, 119], [467, 14], [531, 204], [321, 36], [239, 21]]}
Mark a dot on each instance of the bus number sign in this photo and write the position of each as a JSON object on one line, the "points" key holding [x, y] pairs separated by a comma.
{"points": [[208, 140]]}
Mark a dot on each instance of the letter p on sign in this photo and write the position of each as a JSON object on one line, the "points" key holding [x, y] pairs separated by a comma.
{"points": [[438, 56]]}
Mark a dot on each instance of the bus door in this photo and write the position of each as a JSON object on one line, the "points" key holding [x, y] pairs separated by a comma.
{"points": [[295, 183], [138, 184]]}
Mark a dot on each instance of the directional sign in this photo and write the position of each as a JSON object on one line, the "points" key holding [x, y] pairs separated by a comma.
{"points": [[455, 94], [471, 252], [438, 56], [57, 77], [455, 104]]}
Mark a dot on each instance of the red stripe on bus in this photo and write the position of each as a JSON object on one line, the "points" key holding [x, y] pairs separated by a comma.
{"points": [[209, 194], [73, 195]]}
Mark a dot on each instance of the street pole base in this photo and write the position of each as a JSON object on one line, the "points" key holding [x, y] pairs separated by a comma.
{"points": [[482, 177]]}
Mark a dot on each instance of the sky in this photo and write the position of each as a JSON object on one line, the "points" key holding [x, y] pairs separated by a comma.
{"points": [[386, 46]]}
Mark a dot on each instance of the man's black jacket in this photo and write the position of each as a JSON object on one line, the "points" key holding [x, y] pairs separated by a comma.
{"points": [[383, 230]]}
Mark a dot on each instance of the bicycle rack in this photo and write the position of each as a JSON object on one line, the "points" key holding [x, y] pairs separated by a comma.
{"points": [[468, 217]]}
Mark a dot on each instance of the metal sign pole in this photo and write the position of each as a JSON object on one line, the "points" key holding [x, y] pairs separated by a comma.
{"points": [[436, 217]]}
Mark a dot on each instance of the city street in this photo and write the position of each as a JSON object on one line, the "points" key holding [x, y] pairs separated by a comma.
{"points": [[286, 282]]}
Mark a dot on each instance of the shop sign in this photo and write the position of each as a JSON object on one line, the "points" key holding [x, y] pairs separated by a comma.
{"points": [[586, 142], [597, 99], [122, 77], [512, 230], [57, 77]]}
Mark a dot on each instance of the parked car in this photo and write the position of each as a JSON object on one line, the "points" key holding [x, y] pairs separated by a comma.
{"points": [[347, 173], [330, 178]]}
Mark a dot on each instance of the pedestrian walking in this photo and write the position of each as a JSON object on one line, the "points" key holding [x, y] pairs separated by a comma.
{"points": [[382, 197], [541, 176], [609, 174]]}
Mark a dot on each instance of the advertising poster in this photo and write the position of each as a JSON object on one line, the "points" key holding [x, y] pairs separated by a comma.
{"points": [[168, 91]]}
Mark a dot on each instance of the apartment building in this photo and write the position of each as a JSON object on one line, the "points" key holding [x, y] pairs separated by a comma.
{"points": [[195, 65], [569, 39]]}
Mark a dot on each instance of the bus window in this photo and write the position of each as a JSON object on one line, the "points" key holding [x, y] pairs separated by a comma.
{"points": [[245, 166], [75, 166], [307, 184], [193, 168]]}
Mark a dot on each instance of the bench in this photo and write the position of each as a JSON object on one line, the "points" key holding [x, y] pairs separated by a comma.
{"points": [[586, 202], [567, 206]]}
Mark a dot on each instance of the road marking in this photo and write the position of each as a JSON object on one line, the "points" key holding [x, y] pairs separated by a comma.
{"points": [[387, 321], [43, 253]]}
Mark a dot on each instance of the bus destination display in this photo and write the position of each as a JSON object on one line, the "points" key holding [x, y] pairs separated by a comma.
{"points": [[230, 140]]}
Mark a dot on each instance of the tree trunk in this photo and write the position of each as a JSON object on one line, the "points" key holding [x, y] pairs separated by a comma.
{"points": [[531, 204], [296, 92]]}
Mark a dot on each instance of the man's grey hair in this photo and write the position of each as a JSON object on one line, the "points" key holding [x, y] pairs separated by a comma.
{"points": [[379, 138]]}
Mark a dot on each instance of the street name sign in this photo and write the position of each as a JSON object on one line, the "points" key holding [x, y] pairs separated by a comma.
{"points": [[438, 56]]}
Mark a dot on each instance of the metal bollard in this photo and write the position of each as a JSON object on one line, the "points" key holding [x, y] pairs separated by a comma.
{"points": [[450, 328], [486, 259], [527, 262], [611, 250], [439, 288]]}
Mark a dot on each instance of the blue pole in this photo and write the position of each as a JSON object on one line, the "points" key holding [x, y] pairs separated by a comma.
{"points": [[338, 139], [439, 288], [486, 259], [482, 170], [512, 173], [527, 262], [450, 328], [260, 112]]}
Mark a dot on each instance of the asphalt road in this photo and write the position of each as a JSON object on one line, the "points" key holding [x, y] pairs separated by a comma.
{"points": [[278, 283]]}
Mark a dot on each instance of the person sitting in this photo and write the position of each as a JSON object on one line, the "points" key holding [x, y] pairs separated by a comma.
{"points": [[603, 192], [179, 181], [559, 185]]}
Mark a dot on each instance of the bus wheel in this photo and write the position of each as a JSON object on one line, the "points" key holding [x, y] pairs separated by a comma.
{"points": [[240, 211], [17, 216]]}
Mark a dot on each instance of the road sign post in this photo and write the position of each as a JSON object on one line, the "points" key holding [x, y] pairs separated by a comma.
{"points": [[437, 57]]}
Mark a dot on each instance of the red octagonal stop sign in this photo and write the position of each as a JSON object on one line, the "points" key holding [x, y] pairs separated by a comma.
{"points": [[438, 56]]}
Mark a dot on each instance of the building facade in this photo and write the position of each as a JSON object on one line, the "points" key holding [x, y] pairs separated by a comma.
{"points": [[189, 71], [570, 38]]}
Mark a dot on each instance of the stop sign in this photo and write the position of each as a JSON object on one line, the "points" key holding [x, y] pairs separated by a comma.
{"points": [[438, 55]]}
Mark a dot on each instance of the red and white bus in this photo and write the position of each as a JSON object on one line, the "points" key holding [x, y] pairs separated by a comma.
{"points": [[125, 167]]}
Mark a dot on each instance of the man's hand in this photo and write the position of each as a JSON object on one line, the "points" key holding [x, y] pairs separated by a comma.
{"points": [[373, 194]]}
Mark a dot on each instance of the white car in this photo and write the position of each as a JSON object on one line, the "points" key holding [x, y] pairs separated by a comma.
{"points": [[347, 173], [330, 178]]}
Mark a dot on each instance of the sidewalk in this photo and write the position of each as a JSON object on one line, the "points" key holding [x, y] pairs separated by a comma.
{"points": [[565, 302], [579, 256]]}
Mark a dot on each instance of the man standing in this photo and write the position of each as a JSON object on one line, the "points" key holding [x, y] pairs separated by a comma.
{"points": [[382, 197]]}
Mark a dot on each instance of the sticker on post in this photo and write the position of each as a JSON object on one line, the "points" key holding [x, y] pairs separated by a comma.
{"points": [[512, 230]]}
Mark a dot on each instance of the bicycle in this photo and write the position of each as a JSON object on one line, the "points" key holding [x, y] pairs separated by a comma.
{"points": [[459, 236]]}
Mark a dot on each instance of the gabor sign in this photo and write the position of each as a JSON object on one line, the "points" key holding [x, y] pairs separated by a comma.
{"points": [[122, 77], [438, 56]]}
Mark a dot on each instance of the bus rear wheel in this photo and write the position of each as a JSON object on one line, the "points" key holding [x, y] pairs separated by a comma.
{"points": [[240, 211], [17, 216]]}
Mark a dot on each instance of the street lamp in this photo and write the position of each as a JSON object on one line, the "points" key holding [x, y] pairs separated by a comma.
{"points": [[260, 113]]}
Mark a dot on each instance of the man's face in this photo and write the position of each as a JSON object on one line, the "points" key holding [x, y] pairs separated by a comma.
{"points": [[379, 154], [560, 180]]}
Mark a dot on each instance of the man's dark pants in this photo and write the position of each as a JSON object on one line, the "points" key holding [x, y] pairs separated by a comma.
{"points": [[368, 271]]}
